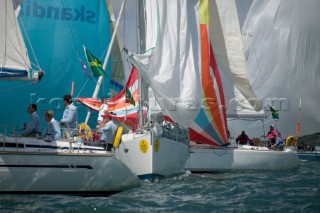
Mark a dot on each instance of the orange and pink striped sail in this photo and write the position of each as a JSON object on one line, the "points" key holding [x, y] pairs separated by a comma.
{"points": [[210, 125], [122, 110]]}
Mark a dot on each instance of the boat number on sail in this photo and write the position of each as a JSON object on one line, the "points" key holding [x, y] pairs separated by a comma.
{"points": [[156, 145], [143, 145]]}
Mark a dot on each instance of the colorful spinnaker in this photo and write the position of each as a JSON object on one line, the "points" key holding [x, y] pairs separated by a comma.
{"points": [[210, 124], [224, 80], [121, 110]]}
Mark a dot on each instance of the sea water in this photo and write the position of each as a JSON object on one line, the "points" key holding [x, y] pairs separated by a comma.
{"points": [[239, 191]]}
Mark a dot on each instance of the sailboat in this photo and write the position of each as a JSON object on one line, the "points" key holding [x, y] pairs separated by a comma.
{"points": [[66, 166], [169, 64], [292, 67], [225, 83], [156, 148], [306, 152]]}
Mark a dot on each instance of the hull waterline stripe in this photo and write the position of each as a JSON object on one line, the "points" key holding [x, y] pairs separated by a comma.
{"points": [[47, 166]]}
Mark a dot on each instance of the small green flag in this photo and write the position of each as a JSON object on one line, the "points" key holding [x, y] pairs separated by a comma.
{"points": [[95, 64], [274, 113], [129, 97]]}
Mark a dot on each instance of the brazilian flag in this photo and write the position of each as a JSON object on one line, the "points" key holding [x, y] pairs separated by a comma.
{"points": [[129, 97], [95, 64], [274, 113]]}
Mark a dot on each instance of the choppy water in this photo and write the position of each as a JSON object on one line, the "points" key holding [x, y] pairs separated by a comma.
{"points": [[244, 191]]}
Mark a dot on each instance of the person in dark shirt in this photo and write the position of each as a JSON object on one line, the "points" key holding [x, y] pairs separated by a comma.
{"points": [[243, 138], [33, 127]]}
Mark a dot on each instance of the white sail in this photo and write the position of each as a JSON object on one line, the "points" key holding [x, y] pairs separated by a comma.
{"points": [[241, 102], [117, 71], [281, 41], [171, 64], [14, 59]]}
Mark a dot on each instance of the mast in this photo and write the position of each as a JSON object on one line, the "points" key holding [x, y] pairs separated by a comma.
{"points": [[96, 91], [140, 47]]}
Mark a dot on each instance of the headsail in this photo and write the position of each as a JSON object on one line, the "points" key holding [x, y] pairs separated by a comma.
{"points": [[210, 124], [225, 84], [125, 110], [121, 109], [117, 78], [241, 100], [14, 59], [281, 42]]}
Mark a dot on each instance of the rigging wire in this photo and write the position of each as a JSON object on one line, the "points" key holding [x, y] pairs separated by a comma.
{"points": [[75, 35], [82, 87], [63, 2], [27, 38], [23, 85], [5, 37]]}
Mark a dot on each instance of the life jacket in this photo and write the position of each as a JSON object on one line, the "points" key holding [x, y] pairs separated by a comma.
{"points": [[272, 134]]}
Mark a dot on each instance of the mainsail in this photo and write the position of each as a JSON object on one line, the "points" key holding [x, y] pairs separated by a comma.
{"points": [[14, 59], [281, 42]]}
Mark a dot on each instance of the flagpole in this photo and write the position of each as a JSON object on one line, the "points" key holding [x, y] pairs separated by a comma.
{"points": [[96, 91], [72, 89], [298, 123]]}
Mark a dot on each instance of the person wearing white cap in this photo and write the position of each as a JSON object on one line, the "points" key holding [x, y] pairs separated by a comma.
{"points": [[102, 110], [107, 129]]}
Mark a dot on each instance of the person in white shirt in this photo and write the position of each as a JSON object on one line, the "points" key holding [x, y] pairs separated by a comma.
{"points": [[33, 127], [70, 114], [107, 129], [53, 131], [102, 110]]}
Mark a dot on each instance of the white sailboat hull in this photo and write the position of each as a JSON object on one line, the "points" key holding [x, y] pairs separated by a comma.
{"points": [[53, 168], [150, 157], [206, 159]]}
